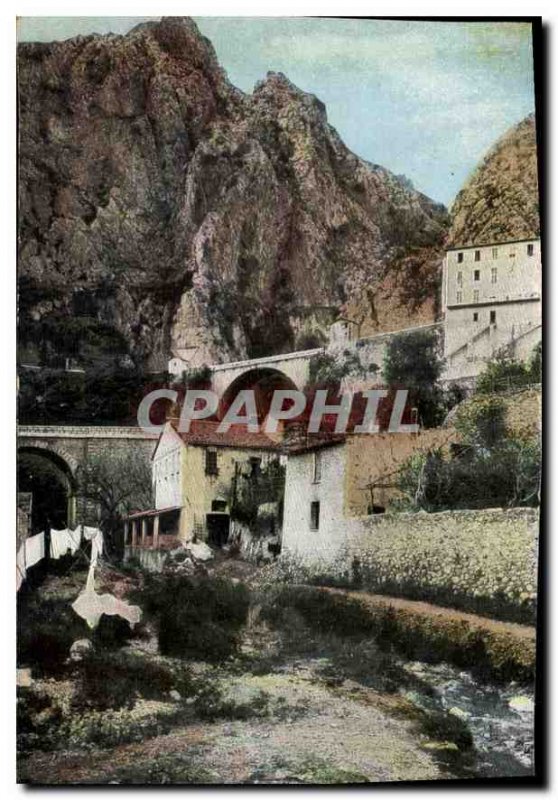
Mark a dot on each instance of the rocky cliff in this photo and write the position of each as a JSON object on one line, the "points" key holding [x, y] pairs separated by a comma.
{"points": [[159, 200], [500, 201]]}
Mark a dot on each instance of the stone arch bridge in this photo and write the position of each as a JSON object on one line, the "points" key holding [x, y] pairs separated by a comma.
{"points": [[290, 370], [62, 448], [293, 369]]}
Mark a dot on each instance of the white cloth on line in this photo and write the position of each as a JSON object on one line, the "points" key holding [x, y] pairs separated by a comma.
{"points": [[64, 540], [90, 606], [34, 549], [95, 536], [21, 570]]}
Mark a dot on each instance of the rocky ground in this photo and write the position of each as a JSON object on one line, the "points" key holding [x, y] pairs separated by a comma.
{"points": [[292, 706]]}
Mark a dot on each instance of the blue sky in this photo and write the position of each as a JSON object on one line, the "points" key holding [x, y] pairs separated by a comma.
{"points": [[424, 99]]}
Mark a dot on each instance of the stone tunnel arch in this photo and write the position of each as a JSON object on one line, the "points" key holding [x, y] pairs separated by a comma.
{"points": [[264, 381], [50, 478]]}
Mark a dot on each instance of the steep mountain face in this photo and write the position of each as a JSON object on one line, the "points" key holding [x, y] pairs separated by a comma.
{"points": [[157, 199], [500, 201]]}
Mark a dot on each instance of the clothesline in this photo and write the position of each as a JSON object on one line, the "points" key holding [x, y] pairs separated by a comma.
{"points": [[89, 605], [32, 549]]}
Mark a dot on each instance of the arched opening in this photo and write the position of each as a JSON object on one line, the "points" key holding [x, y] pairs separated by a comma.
{"points": [[49, 480], [264, 382]]}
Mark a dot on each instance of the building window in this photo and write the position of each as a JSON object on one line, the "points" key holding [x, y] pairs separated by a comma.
{"points": [[492, 317], [477, 275], [475, 316], [530, 249], [477, 255], [476, 296], [460, 279], [494, 252], [512, 252], [459, 297], [211, 462], [314, 515], [255, 466], [317, 467], [494, 275], [460, 258]]}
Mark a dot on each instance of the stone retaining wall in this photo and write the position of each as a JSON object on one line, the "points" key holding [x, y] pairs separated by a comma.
{"points": [[484, 561]]}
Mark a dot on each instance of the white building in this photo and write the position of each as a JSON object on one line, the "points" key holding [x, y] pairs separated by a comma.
{"points": [[491, 299], [314, 498]]}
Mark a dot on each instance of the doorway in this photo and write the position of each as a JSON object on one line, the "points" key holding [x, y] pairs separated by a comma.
{"points": [[217, 529]]}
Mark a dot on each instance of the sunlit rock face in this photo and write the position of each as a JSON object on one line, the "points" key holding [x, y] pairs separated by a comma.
{"points": [[157, 197], [500, 202]]}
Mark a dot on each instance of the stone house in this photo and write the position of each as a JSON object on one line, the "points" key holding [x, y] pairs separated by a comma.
{"points": [[194, 478]]}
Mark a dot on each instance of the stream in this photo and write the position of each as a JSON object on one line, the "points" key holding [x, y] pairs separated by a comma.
{"points": [[500, 718]]}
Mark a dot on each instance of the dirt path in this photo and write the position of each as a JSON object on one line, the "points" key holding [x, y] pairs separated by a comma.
{"points": [[525, 632]]}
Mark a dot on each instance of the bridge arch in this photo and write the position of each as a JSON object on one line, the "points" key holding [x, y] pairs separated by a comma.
{"points": [[264, 381], [51, 479]]}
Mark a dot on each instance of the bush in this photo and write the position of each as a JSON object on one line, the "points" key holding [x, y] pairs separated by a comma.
{"points": [[535, 364], [504, 372], [46, 629], [327, 371], [116, 680], [488, 468], [196, 617], [482, 422], [507, 476]]}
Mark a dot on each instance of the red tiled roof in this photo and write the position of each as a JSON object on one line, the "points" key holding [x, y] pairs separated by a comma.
{"points": [[152, 512], [204, 434], [312, 441]]}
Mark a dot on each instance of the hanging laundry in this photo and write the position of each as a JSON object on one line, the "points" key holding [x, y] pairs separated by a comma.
{"points": [[90, 606], [34, 549], [21, 570], [64, 540], [95, 536], [75, 540]]}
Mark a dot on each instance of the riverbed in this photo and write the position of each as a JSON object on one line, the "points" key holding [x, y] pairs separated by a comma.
{"points": [[500, 718]]}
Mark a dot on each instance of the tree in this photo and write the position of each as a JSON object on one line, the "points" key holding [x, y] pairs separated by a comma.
{"points": [[503, 372], [535, 364], [412, 361], [118, 484], [327, 370], [489, 468]]}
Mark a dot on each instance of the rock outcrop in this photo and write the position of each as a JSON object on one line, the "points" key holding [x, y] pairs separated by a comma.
{"points": [[158, 199], [500, 202]]}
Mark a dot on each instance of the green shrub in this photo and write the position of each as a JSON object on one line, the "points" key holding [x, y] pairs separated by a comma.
{"points": [[489, 468], [116, 680], [46, 629], [112, 632], [196, 617], [504, 372], [535, 364]]}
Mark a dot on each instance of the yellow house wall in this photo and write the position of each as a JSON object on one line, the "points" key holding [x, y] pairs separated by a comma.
{"points": [[373, 458], [199, 489]]}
